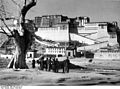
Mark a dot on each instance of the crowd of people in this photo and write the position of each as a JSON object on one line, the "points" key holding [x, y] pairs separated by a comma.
{"points": [[52, 64]]}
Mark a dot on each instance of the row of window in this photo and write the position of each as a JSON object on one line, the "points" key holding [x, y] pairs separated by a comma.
{"points": [[110, 52], [62, 28], [109, 55], [56, 51]]}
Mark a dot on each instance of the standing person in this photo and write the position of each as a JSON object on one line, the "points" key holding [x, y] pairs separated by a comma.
{"points": [[45, 64], [57, 65], [38, 62], [49, 65], [66, 65], [63, 65], [33, 63], [53, 65], [42, 63]]}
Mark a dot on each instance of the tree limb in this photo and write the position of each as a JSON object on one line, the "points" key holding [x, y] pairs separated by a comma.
{"points": [[7, 27], [4, 32], [26, 8]]}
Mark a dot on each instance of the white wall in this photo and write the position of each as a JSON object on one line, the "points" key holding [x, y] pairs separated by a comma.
{"points": [[113, 40], [54, 34], [6, 56], [93, 47], [102, 34], [30, 54], [91, 30], [107, 55], [55, 51], [81, 39]]}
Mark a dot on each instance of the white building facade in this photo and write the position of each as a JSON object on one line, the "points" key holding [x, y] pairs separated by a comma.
{"points": [[57, 51], [58, 33], [110, 55]]}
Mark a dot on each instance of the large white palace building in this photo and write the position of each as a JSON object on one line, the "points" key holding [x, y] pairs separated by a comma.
{"points": [[63, 29], [60, 28]]}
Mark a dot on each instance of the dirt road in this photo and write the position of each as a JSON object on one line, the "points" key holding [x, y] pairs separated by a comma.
{"points": [[97, 73], [35, 77]]}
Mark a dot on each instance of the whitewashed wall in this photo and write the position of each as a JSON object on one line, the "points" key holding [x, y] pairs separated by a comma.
{"points": [[54, 34], [107, 55]]}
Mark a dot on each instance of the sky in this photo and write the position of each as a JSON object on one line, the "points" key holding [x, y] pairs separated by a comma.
{"points": [[97, 10]]}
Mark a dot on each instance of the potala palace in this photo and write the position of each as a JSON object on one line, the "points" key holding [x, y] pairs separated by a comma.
{"points": [[77, 36]]}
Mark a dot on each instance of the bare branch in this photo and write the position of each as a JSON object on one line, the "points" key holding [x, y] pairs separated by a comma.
{"points": [[4, 32], [26, 8], [25, 3], [7, 27]]}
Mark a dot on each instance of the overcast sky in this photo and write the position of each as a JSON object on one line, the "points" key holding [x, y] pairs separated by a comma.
{"points": [[97, 10]]}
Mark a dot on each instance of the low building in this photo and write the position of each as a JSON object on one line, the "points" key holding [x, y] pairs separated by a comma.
{"points": [[6, 56], [107, 54], [32, 54], [60, 51], [55, 51], [70, 51]]}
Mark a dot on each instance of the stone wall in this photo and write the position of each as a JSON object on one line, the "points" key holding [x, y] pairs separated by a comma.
{"points": [[107, 55]]}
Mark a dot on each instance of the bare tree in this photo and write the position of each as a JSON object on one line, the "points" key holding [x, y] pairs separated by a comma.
{"points": [[23, 37]]}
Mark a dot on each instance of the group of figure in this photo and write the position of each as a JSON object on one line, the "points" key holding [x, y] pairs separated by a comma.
{"points": [[52, 63], [49, 64]]}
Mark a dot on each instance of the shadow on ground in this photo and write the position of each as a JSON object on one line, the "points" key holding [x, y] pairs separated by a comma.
{"points": [[72, 66]]}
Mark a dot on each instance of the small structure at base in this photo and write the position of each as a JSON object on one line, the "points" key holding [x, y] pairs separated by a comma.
{"points": [[107, 54], [71, 51]]}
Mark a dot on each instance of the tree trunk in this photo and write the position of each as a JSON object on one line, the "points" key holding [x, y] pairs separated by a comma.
{"points": [[18, 60], [22, 44]]}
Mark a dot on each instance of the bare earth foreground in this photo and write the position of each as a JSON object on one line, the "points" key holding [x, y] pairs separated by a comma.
{"points": [[96, 74]]}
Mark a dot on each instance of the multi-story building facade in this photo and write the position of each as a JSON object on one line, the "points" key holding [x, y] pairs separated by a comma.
{"points": [[64, 29], [60, 33], [97, 31], [56, 51], [82, 21], [38, 21], [54, 27], [58, 27], [107, 54], [100, 33], [49, 20]]}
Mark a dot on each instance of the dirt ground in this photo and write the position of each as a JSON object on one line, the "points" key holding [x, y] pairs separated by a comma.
{"points": [[96, 73]]}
